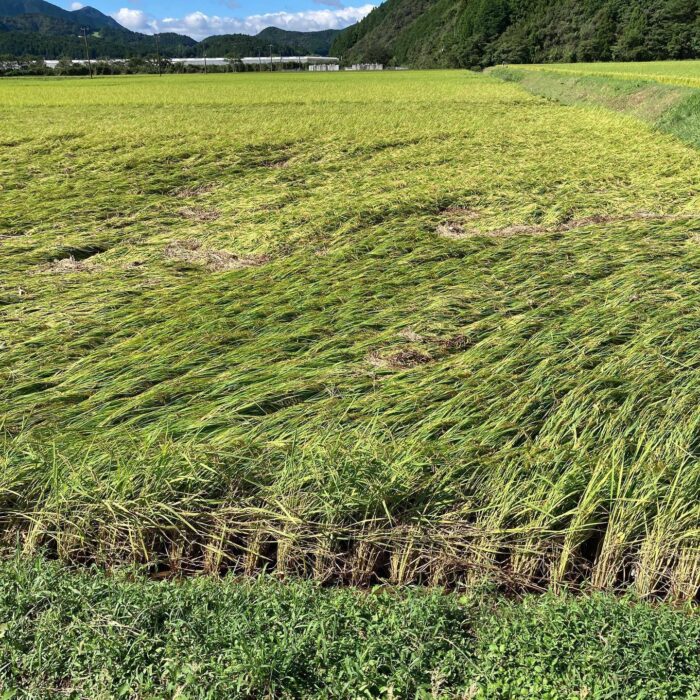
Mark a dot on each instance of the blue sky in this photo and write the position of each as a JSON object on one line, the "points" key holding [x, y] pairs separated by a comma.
{"points": [[201, 18]]}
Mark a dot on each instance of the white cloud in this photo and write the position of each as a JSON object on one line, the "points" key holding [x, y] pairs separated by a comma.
{"points": [[136, 20], [76, 6], [199, 25]]}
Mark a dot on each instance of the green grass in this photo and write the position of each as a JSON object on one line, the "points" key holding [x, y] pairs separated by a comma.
{"points": [[672, 108], [455, 336], [94, 636], [685, 73]]}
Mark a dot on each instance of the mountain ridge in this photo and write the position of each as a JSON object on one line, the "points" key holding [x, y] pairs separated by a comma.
{"points": [[36, 28]]}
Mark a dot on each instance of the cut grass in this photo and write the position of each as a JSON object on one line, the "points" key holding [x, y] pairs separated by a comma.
{"points": [[376, 401]]}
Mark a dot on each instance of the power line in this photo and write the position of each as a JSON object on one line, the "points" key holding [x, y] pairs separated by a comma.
{"points": [[160, 72], [87, 51]]}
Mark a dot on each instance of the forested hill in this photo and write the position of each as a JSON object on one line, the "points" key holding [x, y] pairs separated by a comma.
{"points": [[282, 42], [467, 33], [35, 28]]}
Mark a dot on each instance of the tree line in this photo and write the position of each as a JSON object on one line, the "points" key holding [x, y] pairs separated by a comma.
{"points": [[472, 33]]}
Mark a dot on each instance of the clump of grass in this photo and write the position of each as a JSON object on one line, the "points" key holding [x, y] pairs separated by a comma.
{"points": [[199, 214]]}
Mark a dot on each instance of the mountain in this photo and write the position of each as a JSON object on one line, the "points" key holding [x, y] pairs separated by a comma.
{"points": [[41, 10], [40, 29], [11, 8], [279, 41], [310, 43], [468, 33], [89, 16]]}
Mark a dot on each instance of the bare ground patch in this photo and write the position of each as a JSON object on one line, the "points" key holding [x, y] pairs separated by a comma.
{"points": [[453, 226], [440, 345], [410, 335], [276, 164], [463, 213], [194, 253], [454, 343], [199, 214], [192, 190], [68, 265], [450, 229], [402, 359], [455, 230]]}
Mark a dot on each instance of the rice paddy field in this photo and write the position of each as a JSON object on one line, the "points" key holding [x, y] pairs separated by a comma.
{"points": [[368, 329]]}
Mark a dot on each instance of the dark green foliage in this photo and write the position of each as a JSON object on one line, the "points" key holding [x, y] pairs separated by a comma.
{"points": [[381, 25], [684, 120], [283, 43], [91, 635], [300, 42], [465, 33], [105, 44], [554, 647], [11, 8]]}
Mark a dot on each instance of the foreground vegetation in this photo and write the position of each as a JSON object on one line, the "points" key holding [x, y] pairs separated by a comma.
{"points": [[405, 327], [93, 636]]}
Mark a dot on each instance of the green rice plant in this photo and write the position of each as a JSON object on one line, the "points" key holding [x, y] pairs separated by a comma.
{"points": [[418, 326]]}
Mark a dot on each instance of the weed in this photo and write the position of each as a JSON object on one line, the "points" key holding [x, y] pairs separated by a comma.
{"points": [[90, 635]]}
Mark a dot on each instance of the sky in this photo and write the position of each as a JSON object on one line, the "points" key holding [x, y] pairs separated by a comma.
{"points": [[202, 18]]}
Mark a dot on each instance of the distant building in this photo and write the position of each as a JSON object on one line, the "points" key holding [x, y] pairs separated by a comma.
{"points": [[309, 62], [82, 62], [323, 67], [366, 66], [202, 62]]}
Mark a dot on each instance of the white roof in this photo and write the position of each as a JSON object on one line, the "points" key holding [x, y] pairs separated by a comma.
{"points": [[249, 60], [290, 59]]}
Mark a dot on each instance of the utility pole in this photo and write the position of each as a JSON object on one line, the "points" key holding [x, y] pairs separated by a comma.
{"points": [[87, 51], [205, 61], [270, 58], [160, 72]]}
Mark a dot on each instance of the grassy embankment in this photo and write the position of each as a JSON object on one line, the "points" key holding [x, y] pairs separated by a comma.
{"points": [[686, 73], [405, 327], [665, 94]]}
